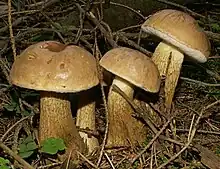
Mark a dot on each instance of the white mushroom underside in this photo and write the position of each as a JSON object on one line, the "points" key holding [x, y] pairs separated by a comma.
{"points": [[194, 54]]}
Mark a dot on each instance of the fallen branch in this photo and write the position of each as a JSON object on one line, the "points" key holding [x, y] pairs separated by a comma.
{"points": [[15, 156]]}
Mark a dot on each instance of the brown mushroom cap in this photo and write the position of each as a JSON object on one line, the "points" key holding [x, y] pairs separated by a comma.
{"points": [[180, 30], [133, 66], [53, 66]]}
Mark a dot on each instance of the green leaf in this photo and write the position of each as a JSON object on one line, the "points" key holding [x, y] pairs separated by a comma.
{"points": [[28, 139], [215, 26], [52, 145], [25, 113], [11, 107], [31, 146], [25, 154], [4, 167], [217, 151], [27, 147], [22, 148], [4, 161]]}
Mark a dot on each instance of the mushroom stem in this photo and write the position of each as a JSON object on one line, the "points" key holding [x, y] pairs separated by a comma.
{"points": [[169, 62], [86, 119], [124, 130], [56, 120]]}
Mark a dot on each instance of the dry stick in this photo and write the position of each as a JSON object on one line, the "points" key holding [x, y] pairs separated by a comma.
{"points": [[199, 82], [95, 21], [214, 74], [132, 43], [144, 116], [126, 7], [185, 9], [109, 160], [50, 165], [93, 165], [14, 125], [212, 35], [137, 109], [152, 141], [82, 16], [199, 131], [191, 127], [97, 53], [11, 30], [15, 23], [129, 8], [15, 156], [54, 25], [187, 144]]}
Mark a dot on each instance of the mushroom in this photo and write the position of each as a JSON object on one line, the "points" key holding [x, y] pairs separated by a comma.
{"points": [[131, 69], [180, 34], [56, 69], [86, 118]]}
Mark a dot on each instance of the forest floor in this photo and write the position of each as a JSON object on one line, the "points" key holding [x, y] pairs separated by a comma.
{"points": [[195, 124]]}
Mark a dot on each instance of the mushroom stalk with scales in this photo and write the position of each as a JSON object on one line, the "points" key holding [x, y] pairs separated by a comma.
{"points": [[181, 35], [85, 118], [55, 70], [121, 116], [51, 125], [169, 61], [131, 69]]}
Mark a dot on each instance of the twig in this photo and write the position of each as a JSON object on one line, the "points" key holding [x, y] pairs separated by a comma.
{"points": [[97, 53], [93, 165], [200, 131], [15, 23], [82, 16], [214, 57], [14, 125], [129, 8], [152, 141], [11, 30], [15, 156], [54, 25], [137, 109], [110, 162], [199, 82], [129, 27], [50, 165], [133, 44], [185, 9], [191, 137], [144, 116], [95, 21], [212, 35]]}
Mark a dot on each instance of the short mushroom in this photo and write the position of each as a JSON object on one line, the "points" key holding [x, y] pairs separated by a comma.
{"points": [[181, 35], [85, 118], [56, 69], [131, 69]]}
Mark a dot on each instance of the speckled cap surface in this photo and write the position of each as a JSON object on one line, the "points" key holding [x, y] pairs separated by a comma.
{"points": [[133, 66], [53, 66], [181, 30]]}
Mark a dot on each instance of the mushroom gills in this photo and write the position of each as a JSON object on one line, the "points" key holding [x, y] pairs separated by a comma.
{"points": [[169, 62]]}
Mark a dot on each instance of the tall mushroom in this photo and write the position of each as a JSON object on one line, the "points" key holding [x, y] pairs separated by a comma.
{"points": [[131, 69], [55, 69], [181, 35]]}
